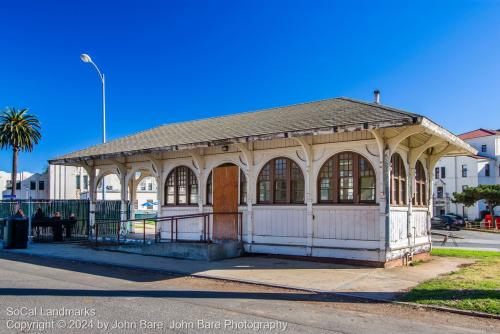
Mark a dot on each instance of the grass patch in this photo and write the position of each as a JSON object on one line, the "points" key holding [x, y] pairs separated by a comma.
{"points": [[475, 287]]}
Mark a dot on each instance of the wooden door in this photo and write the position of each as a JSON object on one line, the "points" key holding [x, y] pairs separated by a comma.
{"points": [[225, 199]]}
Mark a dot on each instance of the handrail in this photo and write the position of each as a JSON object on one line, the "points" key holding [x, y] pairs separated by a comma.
{"points": [[174, 221]]}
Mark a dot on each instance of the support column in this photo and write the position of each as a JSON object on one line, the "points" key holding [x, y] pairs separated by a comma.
{"points": [[309, 207], [387, 203], [92, 197], [411, 190]]}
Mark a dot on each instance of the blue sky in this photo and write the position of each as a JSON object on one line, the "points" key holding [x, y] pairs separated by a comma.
{"points": [[169, 61]]}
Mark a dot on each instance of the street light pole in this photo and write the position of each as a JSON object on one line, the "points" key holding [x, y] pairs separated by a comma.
{"points": [[86, 59]]}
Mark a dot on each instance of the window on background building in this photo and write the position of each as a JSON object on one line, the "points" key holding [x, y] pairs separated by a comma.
{"points": [[41, 185], [484, 148], [181, 187], [398, 180], [420, 185], [440, 192], [150, 186], [443, 172], [280, 182], [32, 185], [8, 184], [346, 177], [86, 182], [464, 170], [487, 170], [18, 185], [78, 182], [143, 185], [436, 173]]}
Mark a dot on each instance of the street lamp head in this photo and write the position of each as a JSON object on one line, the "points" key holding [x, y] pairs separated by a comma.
{"points": [[85, 58]]}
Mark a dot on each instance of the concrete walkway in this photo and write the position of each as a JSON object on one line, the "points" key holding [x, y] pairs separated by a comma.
{"points": [[376, 283]]}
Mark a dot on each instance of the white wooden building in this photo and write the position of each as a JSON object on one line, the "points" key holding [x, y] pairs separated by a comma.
{"points": [[335, 178]]}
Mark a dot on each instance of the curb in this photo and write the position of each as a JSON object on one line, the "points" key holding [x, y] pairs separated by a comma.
{"points": [[271, 285]]}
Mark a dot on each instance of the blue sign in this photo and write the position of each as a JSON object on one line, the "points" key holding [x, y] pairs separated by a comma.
{"points": [[9, 196]]}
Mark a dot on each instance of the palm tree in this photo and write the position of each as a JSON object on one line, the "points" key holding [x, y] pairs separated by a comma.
{"points": [[20, 132]]}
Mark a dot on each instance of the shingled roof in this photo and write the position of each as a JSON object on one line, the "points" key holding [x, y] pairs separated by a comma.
{"points": [[295, 119]]}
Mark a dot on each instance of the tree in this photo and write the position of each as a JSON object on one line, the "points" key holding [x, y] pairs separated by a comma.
{"points": [[19, 131], [490, 193]]}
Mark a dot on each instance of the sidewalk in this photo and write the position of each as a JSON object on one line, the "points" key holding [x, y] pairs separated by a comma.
{"points": [[376, 283]]}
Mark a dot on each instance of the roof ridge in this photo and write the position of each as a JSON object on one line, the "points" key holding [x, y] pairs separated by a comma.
{"points": [[381, 106]]}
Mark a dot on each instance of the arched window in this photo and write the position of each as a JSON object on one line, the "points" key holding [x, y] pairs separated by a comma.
{"points": [[242, 190], [398, 180], [347, 177], [280, 182], [181, 187], [420, 185]]}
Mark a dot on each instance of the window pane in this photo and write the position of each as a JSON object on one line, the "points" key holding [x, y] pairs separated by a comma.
{"points": [[296, 184], [209, 189], [264, 184], [264, 191], [346, 177], [367, 188], [243, 188], [326, 186], [193, 188]]}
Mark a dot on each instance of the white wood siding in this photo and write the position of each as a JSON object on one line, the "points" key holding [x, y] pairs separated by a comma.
{"points": [[346, 222], [280, 221], [398, 224]]}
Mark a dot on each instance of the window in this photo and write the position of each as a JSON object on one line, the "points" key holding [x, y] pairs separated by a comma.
{"points": [[18, 185], [443, 172], [209, 189], [487, 170], [420, 185], [484, 148], [398, 180], [78, 182], [32, 185], [464, 170], [8, 184], [41, 185], [86, 182], [280, 182], [181, 187], [150, 186], [242, 190], [440, 192], [143, 185], [346, 177], [436, 173]]}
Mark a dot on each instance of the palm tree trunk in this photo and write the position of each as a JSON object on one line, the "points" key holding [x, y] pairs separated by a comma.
{"points": [[15, 152]]}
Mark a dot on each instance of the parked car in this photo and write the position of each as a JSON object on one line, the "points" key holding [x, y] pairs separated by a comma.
{"points": [[461, 220], [446, 221]]}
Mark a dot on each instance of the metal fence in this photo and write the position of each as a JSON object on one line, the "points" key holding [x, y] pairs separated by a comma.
{"points": [[78, 229]]}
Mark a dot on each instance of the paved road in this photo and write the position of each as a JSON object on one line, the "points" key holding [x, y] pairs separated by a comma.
{"points": [[468, 239], [62, 292]]}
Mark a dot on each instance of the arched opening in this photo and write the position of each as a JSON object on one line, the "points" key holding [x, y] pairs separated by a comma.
{"points": [[280, 181], [181, 187], [346, 177], [112, 187], [226, 189], [143, 193], [242, 186]]}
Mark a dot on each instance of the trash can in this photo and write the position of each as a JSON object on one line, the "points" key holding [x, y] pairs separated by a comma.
{"points": [[57, 230], [15, 233]]}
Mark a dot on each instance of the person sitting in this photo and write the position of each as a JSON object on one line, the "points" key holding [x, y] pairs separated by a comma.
{"points": [[57, 216], [20, 214], [72, 216], [39, 215]]}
